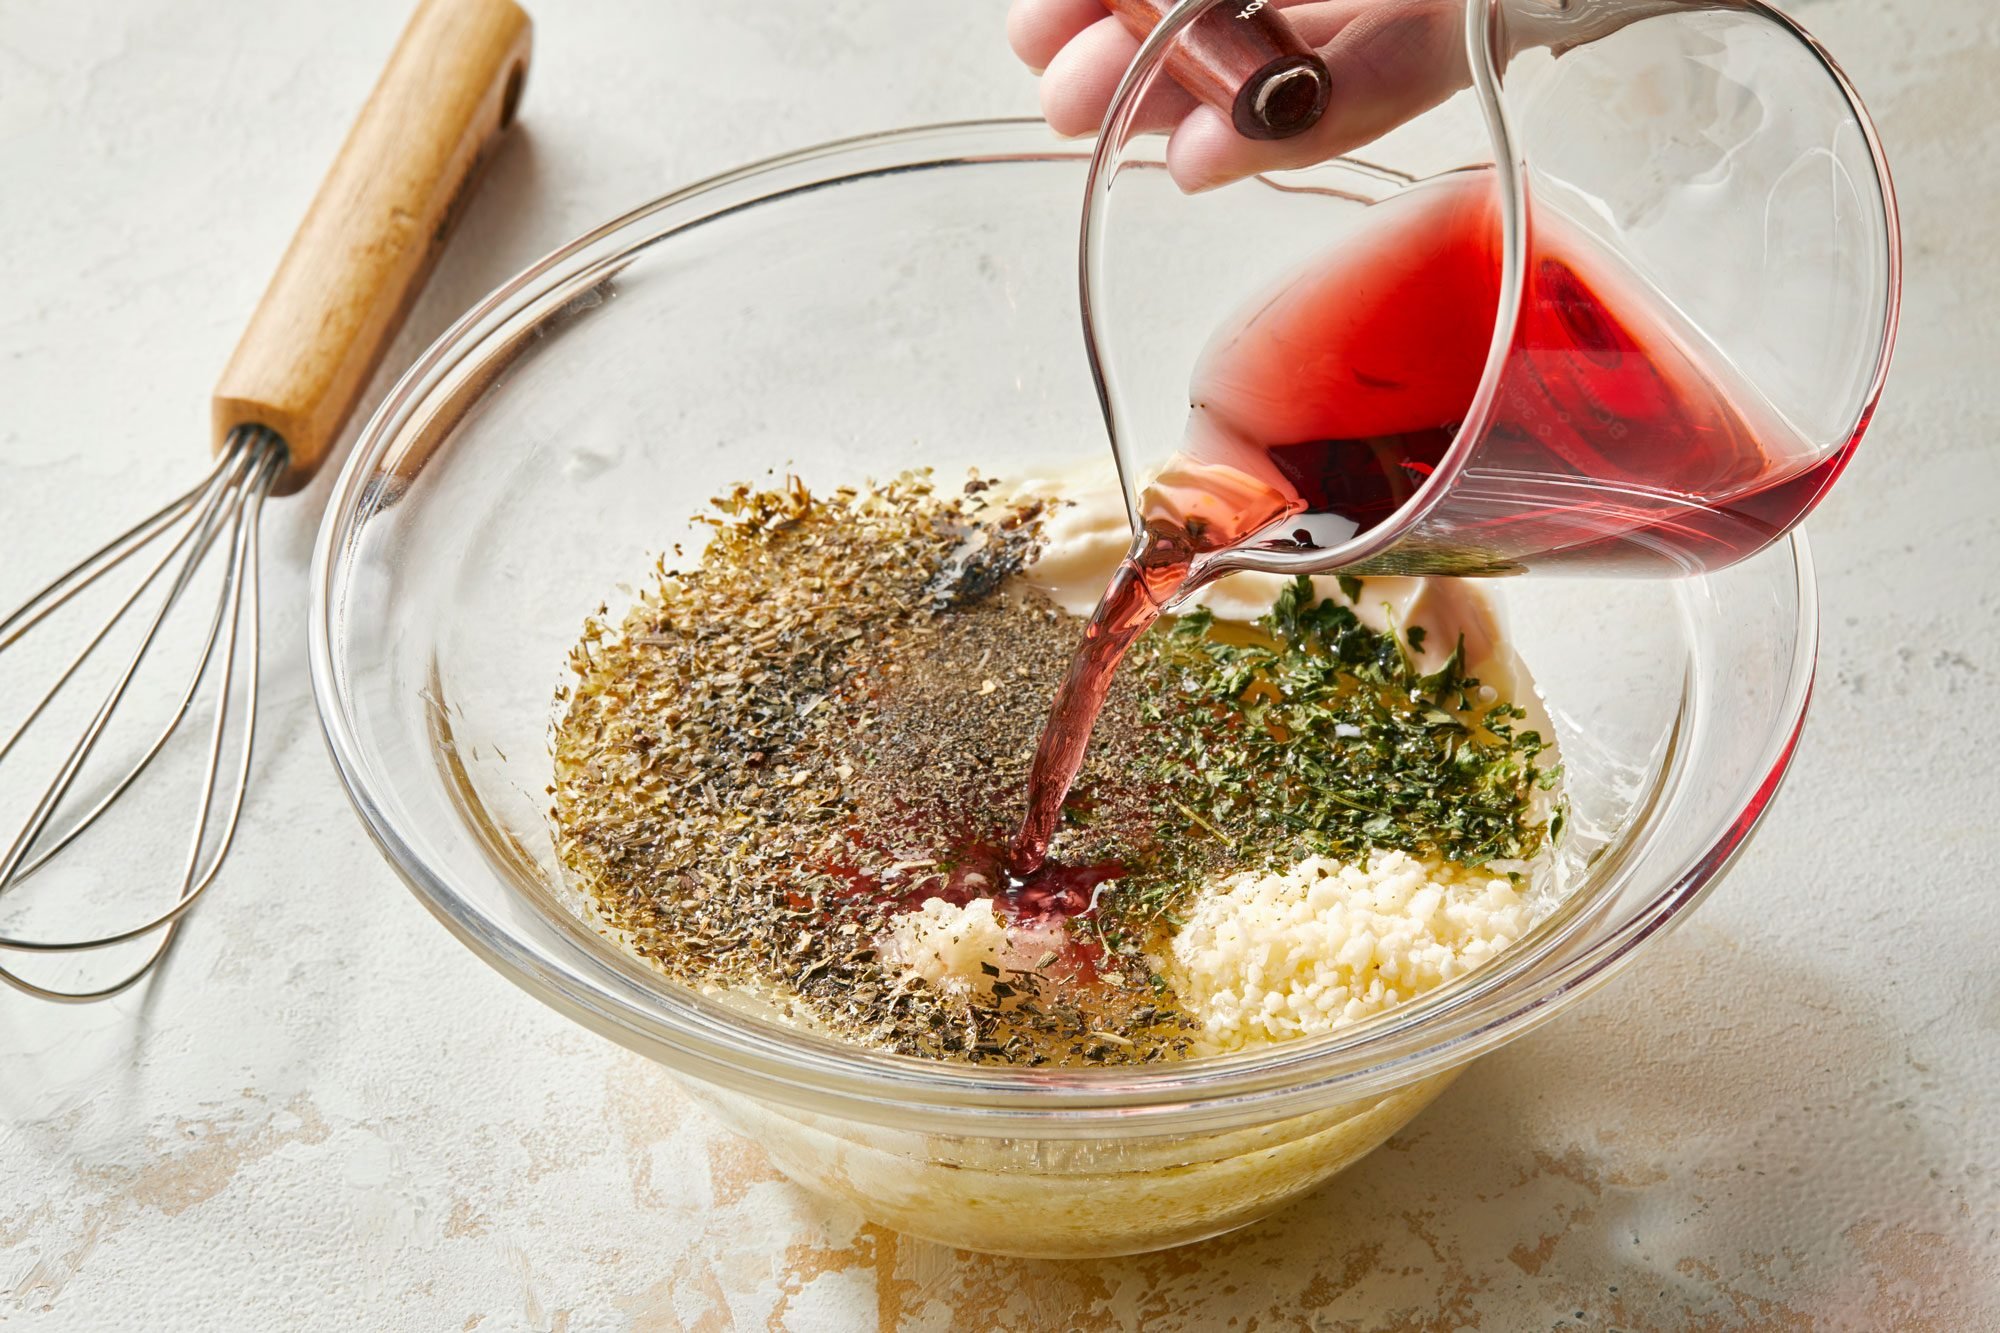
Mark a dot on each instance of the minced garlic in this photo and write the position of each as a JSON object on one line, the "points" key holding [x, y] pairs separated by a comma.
{"points": [[1273, 956], [967, 948]]}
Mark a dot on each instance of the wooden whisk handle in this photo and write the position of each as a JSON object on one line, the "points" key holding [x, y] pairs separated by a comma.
{"points": [[376, 226]]}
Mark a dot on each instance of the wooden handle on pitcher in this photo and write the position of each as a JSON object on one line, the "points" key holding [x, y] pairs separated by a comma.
{"points": [[1243, 59], [376, 226]]}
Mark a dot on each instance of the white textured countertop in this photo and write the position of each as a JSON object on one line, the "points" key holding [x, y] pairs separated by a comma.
{"points": [[335, 1117]]}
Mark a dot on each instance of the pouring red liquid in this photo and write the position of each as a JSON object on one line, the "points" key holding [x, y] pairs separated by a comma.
{"points": [[1617, 441]]}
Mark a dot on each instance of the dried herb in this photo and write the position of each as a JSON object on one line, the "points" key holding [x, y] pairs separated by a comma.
{"points": [[779, 749]]}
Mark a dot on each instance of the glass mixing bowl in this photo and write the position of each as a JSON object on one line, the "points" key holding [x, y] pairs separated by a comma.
{"points": [[890, 302]]}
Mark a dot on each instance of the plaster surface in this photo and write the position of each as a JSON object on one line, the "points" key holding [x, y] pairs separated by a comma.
{"points": [[332, 1116]]}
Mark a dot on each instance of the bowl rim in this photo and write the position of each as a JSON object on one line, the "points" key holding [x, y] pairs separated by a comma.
{"points": [[1428, 1036]]}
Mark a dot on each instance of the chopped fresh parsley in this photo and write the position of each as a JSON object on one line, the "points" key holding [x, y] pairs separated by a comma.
{"points": [[1317, 734]]}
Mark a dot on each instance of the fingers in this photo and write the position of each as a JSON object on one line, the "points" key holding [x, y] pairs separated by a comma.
{"points": [[1038, 29], [1390, 60], [1081, 80], [1078, 84], [1389, 63]]}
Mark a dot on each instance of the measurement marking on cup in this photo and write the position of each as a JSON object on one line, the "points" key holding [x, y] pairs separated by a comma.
{"points": [[1251, 8]]}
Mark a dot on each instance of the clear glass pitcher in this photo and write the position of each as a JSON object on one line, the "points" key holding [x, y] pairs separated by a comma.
{"points": [[1597, 285]]}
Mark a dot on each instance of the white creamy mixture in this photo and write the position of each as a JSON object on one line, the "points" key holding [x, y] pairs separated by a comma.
{"points": [[1272, 956], [1086, 535]]}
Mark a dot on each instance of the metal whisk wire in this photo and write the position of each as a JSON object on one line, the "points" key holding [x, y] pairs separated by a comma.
{"points": [[434, 120], [224, 510]]}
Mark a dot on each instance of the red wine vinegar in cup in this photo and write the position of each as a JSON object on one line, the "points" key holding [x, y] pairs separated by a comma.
{"points": [[1617, 438]]}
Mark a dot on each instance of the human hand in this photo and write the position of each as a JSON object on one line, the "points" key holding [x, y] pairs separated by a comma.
{"points": [[1390, 60]]}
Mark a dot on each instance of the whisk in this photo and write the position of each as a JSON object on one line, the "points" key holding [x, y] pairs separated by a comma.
{"points": [[377, 224]]}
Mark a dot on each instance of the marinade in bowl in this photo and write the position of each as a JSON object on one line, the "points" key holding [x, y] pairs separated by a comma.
{"points": [[855, 313]]}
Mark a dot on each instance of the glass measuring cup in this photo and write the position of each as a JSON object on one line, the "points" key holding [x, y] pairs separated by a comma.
{"points": [[1598, 285]]}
